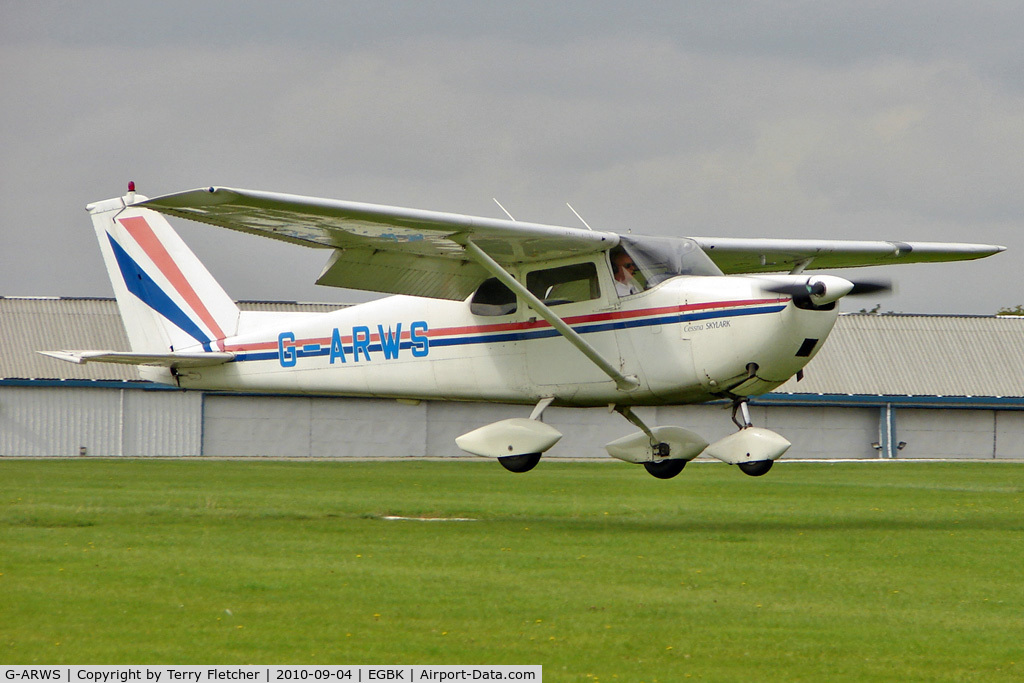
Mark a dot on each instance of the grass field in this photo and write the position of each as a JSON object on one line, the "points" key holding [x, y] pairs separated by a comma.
{"points": [[599, 572]]}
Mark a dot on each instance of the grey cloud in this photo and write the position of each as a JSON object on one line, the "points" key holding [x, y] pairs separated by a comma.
{"points": [[751, 119]]}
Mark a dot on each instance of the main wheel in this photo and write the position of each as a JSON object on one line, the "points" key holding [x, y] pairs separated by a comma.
{"points": [[757, 468], [665, 469], [520, 463]]}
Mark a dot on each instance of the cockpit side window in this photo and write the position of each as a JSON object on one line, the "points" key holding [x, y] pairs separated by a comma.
{"points": [[565, 285], [491, 298]]}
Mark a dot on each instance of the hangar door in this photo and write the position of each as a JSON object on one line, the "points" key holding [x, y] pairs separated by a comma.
{"points": [[308, 427]]}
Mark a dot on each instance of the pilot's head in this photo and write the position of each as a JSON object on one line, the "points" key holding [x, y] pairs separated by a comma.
{"points": [[623, 266]]}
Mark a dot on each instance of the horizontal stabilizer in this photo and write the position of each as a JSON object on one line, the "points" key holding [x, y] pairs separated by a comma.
{"points": [[166, 360]]}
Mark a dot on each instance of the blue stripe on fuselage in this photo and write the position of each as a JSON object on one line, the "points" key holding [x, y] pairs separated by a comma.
{"points": [[543, 333], [548, 332]]}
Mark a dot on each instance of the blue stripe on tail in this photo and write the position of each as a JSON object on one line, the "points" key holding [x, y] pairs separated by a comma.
{"points": [[143, 286]]}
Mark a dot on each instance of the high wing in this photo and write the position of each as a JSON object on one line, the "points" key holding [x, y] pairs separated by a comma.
{"points": [[424, 253], [736, 255], [384, 248]]}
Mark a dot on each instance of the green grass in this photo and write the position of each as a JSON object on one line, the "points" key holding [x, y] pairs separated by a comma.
{"points": [[599, 572]]}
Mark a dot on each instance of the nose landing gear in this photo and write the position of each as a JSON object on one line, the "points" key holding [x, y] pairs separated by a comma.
{"points": [[753, 449], [757, 468], [740, 405]]}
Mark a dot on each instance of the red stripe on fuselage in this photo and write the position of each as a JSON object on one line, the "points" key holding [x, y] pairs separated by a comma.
{"points": [[594, 318], [521, 326]]}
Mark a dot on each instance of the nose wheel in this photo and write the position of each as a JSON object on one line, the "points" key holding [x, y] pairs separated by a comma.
{"points": [[756, 468]]}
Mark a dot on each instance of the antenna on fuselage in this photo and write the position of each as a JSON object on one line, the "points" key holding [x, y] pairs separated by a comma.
{"points": [[503, 208], [579, 216]]}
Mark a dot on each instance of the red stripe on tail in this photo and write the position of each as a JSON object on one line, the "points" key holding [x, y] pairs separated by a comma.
{"points": [[142, 233]]}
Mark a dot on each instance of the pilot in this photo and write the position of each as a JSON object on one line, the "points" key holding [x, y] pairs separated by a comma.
{"points": [[623, 268]]}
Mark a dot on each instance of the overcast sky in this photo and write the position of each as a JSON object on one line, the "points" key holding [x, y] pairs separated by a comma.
{"points": [[860, 119]]}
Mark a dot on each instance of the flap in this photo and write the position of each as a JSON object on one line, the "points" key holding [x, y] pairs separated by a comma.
{"points": [[421, 242]]}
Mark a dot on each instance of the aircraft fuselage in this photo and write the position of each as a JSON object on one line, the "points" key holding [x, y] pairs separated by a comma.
{"points": [[688, 340]]}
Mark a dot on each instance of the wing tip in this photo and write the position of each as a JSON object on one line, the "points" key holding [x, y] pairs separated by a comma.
{"points": [[66, 356]]}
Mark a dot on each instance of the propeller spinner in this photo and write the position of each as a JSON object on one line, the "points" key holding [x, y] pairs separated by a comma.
{"points": [[824, 289]]}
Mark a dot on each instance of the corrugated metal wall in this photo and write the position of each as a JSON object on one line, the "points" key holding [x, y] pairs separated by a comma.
{"points": [[162, 423], [325, 428], [39, 421], [312, 427], [1010, 435], [45, 421], [61, 421]]}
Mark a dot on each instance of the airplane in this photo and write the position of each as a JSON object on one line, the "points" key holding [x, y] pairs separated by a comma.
{"points": [[492, 310]]}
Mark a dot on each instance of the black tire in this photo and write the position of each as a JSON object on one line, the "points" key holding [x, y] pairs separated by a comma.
{"points": [[520, 463], [758, 468], [665, 469]]}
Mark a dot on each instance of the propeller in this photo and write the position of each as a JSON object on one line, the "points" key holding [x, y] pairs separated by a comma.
{"points": [[796, 288], [870, 286], [818, 288]]}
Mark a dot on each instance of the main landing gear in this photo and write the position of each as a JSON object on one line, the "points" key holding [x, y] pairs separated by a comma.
{"points": [[516, 443], [664, 469], [520, 463], [664, 451]]}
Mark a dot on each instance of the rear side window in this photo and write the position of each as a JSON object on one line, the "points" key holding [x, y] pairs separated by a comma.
{"points": [[564, 285], [492, 298]]}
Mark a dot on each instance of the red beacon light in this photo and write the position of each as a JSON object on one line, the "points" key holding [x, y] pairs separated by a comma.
{"points": [[131, 186]]}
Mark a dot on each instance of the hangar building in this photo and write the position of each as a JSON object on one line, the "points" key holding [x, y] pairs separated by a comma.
{"points": [[884, 386]]}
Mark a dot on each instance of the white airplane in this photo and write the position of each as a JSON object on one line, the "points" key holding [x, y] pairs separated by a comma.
{"points": [[491, 310]]}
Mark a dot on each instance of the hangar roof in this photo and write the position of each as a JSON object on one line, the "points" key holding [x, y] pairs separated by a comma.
{"points": [[866, 354], [918, 355], [30, 324]]}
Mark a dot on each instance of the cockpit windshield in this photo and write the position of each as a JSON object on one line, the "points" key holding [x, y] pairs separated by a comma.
{"points": [[659, 258]]}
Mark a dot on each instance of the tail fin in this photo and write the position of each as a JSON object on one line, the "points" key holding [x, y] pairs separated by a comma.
{"points": [[168, 300]]}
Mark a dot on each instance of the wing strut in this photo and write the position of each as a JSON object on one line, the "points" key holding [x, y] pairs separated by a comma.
{"points": [[623, 382]]}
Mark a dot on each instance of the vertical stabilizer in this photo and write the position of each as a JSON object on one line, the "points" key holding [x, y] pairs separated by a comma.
{"points": [[168, 300]]}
